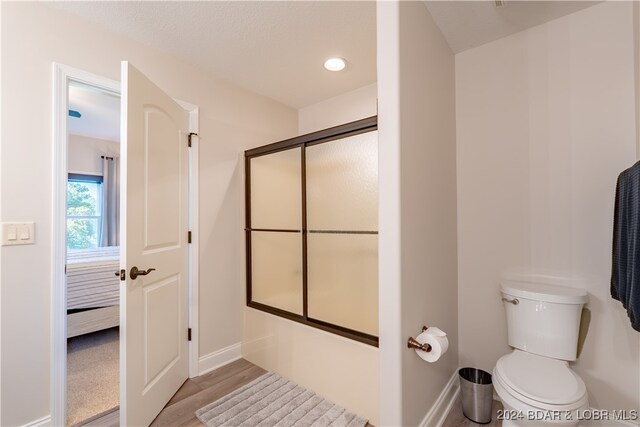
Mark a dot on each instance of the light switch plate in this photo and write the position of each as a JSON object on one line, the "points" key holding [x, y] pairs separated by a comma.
{"points": [[18, 233]]}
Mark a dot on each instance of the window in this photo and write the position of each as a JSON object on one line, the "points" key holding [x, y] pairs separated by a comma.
{"points": [[84, 205], [311, 229]]}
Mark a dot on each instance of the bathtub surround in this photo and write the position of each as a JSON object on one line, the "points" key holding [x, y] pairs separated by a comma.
{"points": [[339, 369], [545, 123]]}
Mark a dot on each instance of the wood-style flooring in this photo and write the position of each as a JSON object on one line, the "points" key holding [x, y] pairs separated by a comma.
{"points": [[457, 419], [197, 392], [193, 395]]}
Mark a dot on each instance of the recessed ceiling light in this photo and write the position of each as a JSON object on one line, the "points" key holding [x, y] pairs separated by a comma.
{"points": [[335, 64]]}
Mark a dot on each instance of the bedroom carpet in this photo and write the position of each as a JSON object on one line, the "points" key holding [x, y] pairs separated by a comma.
{"points": [[272, 400], [92, 374]]}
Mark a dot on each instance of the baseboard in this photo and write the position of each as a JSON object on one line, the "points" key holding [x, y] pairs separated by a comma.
{"points": [[440, 409], [42, 422], [218, 358]]}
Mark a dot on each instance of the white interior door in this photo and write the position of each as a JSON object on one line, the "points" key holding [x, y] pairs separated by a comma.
{"points": [[154, 227]]}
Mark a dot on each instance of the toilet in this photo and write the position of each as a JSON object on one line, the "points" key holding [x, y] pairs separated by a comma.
{"points": [[535, 382]]}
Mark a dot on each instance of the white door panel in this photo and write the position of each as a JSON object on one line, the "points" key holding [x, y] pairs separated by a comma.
{"points": [[154, 225]]}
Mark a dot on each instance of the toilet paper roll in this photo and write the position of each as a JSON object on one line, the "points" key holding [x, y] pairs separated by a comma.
{"points": [[438, 341]]}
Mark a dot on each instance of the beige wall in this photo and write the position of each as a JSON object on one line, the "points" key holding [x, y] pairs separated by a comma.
{"points": [[545, 123], [84, 153], [418, 203], [340, 369], [231, 120], [348, 107]]}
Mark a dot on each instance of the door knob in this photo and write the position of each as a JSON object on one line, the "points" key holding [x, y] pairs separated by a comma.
{"points": [[134, 273]]}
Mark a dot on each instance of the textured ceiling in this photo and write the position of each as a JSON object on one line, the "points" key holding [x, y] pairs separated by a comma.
{"points": [[277, 48], [100, 112], [467, 24], [273, 48]]}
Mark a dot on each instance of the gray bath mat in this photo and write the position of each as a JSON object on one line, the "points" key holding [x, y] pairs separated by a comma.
{"points": [[272, 400]]}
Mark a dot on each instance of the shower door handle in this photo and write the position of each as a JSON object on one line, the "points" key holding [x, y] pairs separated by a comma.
{"points": [[135, 272]]}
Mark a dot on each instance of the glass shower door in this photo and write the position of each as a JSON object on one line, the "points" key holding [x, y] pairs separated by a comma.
{"points": [[311, 229], [276, 230], [342, 241]]}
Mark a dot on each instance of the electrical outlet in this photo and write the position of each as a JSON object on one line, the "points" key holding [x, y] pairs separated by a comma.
{"points": [[18, 233]]}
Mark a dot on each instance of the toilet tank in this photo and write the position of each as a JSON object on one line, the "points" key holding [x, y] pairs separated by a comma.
{"points": [[543, 319]]}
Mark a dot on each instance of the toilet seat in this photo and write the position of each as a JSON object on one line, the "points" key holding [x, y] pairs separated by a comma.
{"points": [[541, 382]]}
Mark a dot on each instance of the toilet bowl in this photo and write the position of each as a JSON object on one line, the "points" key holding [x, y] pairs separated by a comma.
{"points": [[538, 391], [535, 383]]}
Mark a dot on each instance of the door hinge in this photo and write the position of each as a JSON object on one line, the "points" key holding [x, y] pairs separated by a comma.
{"points": [[189, 334], [189, 237], [189, 137]]}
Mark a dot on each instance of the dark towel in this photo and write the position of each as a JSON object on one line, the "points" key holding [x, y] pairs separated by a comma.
{"points": [[625, 271]]}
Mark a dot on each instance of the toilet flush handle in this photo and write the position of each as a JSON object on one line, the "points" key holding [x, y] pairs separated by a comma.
{"points": [[514, 301]]}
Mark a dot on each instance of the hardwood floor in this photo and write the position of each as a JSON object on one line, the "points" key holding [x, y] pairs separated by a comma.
{"points": [[197, 392], [457, 419], [193, 395]]}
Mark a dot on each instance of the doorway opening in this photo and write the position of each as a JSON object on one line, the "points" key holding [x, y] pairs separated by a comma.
{"points": [[93, 251], [89, 326]]}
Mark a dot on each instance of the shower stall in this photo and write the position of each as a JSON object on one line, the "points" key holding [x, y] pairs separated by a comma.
{"points": [[311, 229]]}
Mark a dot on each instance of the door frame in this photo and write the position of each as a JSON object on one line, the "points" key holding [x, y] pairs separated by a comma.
{"points": [[62, 75]]}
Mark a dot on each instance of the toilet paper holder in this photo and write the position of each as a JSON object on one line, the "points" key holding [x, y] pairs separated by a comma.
{"points": [[413, 343]]}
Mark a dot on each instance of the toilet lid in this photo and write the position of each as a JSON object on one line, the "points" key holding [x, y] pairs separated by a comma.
{"points": [[540, 378]]}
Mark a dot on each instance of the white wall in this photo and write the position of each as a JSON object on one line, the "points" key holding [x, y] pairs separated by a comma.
{"points": [[417, 203], [231, 120], [84, 153], [545, 123], [348, 107], [340, 369]]}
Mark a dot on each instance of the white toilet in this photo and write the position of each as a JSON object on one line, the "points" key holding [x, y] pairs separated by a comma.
{"points": [[535, 383]]}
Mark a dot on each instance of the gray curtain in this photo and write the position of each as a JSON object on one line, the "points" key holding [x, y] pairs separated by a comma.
{"points": [[110, 230]]}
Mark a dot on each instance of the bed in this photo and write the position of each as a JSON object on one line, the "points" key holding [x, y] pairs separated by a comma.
{"points": [[92, 290]]}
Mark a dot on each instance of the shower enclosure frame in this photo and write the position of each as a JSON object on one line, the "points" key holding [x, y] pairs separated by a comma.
{"points": [[369, 124]]}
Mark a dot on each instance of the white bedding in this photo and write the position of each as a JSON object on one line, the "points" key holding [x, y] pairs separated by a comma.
{"points": [[91, 279]]}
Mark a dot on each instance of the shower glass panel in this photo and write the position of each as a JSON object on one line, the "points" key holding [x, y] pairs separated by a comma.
{"points": [[276, 261], [342, 223], [311, 229], [276, 191], [342, 184], [343, 280], [276, 224]]}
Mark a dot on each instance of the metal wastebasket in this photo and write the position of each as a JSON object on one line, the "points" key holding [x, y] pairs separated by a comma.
{"points": [[477, 394]]}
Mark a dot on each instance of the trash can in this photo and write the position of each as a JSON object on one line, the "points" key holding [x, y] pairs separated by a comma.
{"points": [[477, 394]]}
